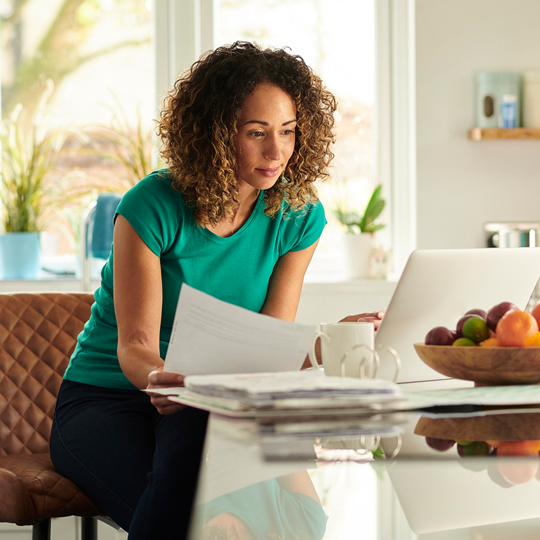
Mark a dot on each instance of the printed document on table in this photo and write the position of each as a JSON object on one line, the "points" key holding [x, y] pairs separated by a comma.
{"points": [[210, 336]]}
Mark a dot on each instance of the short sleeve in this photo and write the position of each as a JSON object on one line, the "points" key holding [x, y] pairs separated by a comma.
{"points": [[151, 208], [305, 228], [302, 514]]}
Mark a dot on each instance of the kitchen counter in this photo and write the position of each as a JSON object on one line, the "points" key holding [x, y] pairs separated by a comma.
{"points": [[320, 301]]}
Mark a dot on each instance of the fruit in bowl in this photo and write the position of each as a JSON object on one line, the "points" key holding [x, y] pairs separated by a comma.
{"points": [[498, 348], [506, 473], [500, 436], [504, 325]]}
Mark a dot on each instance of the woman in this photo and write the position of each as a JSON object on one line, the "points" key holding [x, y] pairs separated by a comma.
{"points": [[245, 134]]}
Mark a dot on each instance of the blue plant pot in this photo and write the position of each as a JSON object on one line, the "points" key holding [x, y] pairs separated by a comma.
{"points": [[20, 255]]}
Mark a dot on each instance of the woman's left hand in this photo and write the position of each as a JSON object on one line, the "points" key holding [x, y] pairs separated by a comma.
{"points": [[375, 317]]}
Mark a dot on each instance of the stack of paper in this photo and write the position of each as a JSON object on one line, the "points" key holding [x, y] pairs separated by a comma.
{"points": [[271, 389], [282, 393]]}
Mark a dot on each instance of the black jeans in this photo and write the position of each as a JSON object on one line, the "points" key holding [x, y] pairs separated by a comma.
{"points": [[140, 467]]}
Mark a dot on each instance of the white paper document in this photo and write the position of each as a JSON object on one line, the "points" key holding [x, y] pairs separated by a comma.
{"points": [[210, 336]]}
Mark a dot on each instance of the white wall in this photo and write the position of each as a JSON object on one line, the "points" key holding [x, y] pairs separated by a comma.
{"points": [[462, 184]]}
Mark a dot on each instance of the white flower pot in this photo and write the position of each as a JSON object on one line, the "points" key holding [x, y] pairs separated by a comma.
{"points": [[358, 255]]}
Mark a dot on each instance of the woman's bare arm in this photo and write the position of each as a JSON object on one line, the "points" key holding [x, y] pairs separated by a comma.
{"points": [[286, 284], [299, 482], [137, 303]]}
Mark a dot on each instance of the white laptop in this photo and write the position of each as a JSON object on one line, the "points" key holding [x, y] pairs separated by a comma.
{"points": [[437, 287]]}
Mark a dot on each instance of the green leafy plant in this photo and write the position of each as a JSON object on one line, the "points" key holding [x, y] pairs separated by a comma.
{"points": [[129, 146], [34, 194], [28, 157], [365, 223]]}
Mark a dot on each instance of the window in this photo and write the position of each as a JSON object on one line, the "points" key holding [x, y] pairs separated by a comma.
{"points": [[94, 61], [336, 38], [186, 28], [363, 50]]}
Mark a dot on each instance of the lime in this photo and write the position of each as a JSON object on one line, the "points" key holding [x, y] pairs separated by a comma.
{"points": [[475, 329], [477, 448], [464, 342]]}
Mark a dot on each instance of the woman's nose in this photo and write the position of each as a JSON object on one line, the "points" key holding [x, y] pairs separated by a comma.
{"points": [[272, 149]]}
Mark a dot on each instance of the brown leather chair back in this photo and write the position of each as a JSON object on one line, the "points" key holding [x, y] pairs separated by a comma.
{"points": [[38, 333]]}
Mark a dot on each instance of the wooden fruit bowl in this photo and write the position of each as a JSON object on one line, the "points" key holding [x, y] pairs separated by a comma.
{"points": [[501, 427], [484, 365]]}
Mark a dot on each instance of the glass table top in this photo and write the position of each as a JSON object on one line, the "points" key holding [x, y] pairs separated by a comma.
{"points": [[388, 477]]}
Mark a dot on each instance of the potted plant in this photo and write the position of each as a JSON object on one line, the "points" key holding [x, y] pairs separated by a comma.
{"points": [[27, 193], [360, 229], [131, 147]]}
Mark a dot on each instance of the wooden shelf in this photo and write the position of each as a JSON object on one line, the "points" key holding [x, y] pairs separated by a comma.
{"points": [[492, 134]]}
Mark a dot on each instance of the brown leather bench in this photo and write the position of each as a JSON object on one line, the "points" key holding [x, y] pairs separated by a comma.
{"points": [[38, 333]]}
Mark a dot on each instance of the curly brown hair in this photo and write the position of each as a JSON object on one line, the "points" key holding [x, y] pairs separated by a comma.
{"points": [[198, 126]]}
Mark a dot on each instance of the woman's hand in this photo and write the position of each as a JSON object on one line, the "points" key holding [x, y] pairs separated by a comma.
{"points": [[164, 379], [375, 317]]}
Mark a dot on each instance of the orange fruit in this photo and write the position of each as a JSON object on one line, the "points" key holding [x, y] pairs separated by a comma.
{"points": [[536, 313], [515, 328], [533, 341], [518, 472], [490, 342], [518, 448]]}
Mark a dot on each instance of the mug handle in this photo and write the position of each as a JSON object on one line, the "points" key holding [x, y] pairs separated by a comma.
{"points": [[397, 360], [373, 352], [311, 354]]}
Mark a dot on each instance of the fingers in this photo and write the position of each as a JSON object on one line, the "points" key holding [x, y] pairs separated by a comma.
{"points": [[164, 405], [376, 314], [158, 377], [164, 379], [366, 317], [376, 322]]}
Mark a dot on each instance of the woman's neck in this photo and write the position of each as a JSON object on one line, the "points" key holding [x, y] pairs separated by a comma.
{"points": [[247, 197]]}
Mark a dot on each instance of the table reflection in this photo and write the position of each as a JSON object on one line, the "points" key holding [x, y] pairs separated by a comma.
{"points": [[422, 477], [286, 507]]}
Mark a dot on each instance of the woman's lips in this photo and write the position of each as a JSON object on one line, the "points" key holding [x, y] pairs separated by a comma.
{"points": [[269, 173]]}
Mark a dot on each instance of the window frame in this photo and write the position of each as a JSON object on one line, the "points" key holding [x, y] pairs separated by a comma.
{"points": [[184, 29], [395, 121]]}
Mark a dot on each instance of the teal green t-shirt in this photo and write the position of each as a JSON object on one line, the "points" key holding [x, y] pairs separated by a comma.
{"points": [[235, 269], [269, 511]]}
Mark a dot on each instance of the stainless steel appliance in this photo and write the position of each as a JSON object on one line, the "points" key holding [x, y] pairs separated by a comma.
{"points": [[511, 234]]}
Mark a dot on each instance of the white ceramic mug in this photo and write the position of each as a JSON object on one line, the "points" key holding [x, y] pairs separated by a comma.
{"points": [[347, 349]]}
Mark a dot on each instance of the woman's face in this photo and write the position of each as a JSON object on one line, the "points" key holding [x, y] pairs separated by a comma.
{"points": [[266, 135]]}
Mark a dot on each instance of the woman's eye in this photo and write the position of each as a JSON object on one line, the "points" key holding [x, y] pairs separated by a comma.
{"points": [[256, 133], [289, 132]]}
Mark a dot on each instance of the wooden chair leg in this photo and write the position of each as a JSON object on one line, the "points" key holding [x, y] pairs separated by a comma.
{"points": [[88, 528], [42, 531]]}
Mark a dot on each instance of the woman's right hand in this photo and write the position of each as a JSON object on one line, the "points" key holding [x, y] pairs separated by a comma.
{"points": [[376, 318], [164, 379]]}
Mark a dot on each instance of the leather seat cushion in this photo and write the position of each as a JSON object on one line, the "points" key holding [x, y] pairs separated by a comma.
{"points": [[30, 488]]}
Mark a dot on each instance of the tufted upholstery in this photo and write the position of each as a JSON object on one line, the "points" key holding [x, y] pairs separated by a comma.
{"points": [[38, 333]]}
